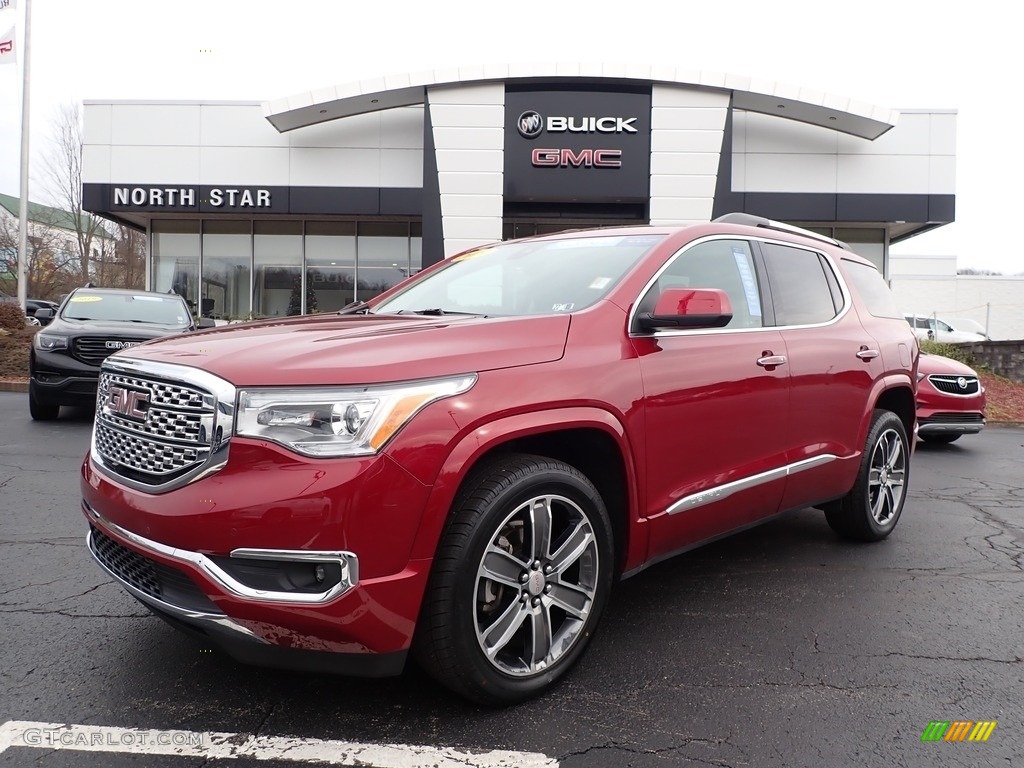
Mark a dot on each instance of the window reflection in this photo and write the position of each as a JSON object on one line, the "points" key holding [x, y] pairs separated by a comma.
{"points": [[235, 269], [176, 259], [277, 288], [227, 259], [330, 265]]}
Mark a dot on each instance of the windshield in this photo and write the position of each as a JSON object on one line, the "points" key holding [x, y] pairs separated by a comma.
{"points": [[167, 310], [530, 277]]}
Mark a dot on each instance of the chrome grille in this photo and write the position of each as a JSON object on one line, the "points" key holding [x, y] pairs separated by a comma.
{"points": [[954, 418], [951, 384], [125, 563], [148, 456], [93, 350], [157, 432]]}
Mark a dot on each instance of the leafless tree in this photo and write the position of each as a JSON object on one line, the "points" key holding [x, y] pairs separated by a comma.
{"points": [[52, 267], [62, 175], [124, 259]]}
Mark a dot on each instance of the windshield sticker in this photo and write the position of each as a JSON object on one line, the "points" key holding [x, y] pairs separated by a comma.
{"points": [[470, 254], [601, 283], [87, 298], [149, 298], [562, 307], [642, 239], [749, 284]]}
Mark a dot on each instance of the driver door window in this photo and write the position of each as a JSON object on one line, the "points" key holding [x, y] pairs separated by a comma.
{"points": [[724, 264]]}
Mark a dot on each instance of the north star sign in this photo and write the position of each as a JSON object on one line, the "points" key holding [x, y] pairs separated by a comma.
{"points": [[177, 197]]}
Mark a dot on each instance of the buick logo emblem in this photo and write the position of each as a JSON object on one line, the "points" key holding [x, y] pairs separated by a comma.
{"points": [[129, 403], [530, 124], [961, 382]]}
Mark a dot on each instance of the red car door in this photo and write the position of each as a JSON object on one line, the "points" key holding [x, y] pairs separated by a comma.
{"points": [[716, 405]]}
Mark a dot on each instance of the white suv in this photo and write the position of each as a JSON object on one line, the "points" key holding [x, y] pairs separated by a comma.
{"points": [[933, 329]]}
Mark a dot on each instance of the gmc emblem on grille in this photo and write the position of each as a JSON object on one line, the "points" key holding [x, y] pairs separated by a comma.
{"points": [[121, 344], [128, 402]]}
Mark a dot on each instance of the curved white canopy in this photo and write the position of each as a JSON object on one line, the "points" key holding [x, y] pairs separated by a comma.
{"points": [[755, 95]]}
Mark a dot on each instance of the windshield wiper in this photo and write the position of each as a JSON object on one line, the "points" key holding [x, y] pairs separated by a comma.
{"points": [[434, 311], [355, 308]]}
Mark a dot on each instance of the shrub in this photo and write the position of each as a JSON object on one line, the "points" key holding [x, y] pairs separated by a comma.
{"points": [[11, 317], [952, 351]]}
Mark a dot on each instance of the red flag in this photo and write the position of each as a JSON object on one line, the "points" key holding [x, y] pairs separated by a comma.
{"points": [[8, 53]]}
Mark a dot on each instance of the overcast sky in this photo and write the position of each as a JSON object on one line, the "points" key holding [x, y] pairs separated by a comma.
{"points": [[898, 54]]}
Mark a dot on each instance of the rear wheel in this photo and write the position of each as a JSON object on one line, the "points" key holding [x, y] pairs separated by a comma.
{"points": [[940, 438], [870, 511], [519, 582], [40, 409]]}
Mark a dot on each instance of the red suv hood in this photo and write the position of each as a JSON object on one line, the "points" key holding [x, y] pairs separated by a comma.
{"points": [[930, 364], [362, 349]]}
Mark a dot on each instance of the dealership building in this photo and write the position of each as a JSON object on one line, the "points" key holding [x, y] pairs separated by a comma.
{"points": [[310, 202]]}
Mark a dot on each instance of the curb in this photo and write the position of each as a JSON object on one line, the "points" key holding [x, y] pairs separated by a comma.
{"points": [[13, 386]]}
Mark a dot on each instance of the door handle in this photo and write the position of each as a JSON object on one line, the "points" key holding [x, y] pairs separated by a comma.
{"points": [[770, 360], [866, 354]]}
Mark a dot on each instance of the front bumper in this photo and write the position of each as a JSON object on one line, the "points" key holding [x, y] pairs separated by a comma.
{"points": [[951, 424], [175, 598], [230, 557]]}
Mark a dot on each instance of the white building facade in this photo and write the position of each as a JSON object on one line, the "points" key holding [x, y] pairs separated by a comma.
{"points": [[310, 202]]}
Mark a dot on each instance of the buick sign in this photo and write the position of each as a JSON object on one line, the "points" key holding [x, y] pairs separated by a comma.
{"points": [[530, 124]]}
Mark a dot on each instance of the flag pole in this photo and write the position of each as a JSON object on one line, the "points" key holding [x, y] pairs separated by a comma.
{"points": [[23, 211]]}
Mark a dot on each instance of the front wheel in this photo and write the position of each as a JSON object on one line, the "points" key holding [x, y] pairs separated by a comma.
{"points": [[519, 582], [39, 409], [870, 511]]}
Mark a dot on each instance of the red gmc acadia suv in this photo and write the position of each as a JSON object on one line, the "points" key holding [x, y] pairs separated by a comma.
{"points": [[463, 466]]}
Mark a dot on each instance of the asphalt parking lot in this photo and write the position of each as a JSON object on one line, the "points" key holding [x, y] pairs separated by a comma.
{"points": [[782, 646]]}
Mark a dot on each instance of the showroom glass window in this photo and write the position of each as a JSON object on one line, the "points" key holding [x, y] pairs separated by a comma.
{"points": [[176, 259], [277, 288], [383, 256], [802, 293], [330, 265], [227, 269]]}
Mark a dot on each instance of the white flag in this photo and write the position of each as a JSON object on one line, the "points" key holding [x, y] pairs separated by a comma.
{"points": [[5, 4], [8, 55]]}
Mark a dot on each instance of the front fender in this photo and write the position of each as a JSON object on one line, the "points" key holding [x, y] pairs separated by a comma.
{"points": [[490, 436]]}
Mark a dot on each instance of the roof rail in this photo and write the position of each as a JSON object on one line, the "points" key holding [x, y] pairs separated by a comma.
{"points": [[750, 220]]}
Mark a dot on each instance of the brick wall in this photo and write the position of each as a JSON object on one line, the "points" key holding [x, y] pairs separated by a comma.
{"points": [[1003, 357]]}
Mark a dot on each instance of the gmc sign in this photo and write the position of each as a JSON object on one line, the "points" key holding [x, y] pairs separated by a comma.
{"points": [[582, 158]]}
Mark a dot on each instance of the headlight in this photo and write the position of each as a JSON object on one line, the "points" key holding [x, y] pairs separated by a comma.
{"points": [[51, 341], [338, 421]]}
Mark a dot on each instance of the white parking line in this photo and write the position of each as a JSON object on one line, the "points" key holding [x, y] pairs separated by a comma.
{"points": [[231, 746]]}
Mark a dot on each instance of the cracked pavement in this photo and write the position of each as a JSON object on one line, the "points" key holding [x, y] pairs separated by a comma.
{"points": [[781, 646]]}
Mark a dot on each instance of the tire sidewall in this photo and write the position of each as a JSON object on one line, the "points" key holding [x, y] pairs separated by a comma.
{"points": [[553, 481], [882, 422]]}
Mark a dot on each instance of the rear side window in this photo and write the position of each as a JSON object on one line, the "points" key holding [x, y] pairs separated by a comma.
{"points": [[801, 293], [873, 290]]}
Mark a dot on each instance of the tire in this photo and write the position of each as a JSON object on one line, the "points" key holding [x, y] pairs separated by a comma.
{"points": [[39, 409], [506, 614], [870, 511], [940, 438]]}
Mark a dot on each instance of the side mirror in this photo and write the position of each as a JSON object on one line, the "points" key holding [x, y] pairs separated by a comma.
{"points": [[206, 322], [44, 314], [688, 308]]}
